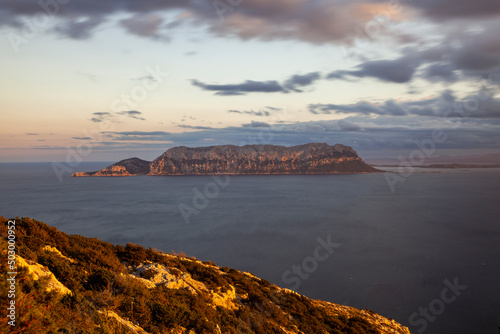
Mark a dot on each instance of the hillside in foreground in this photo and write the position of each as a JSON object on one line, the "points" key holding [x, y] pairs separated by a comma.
{"points": [[72, 284], [313, 158]]}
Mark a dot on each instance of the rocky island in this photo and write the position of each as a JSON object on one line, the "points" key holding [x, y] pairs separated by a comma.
{"points": [[313, 158], [72, 284]]}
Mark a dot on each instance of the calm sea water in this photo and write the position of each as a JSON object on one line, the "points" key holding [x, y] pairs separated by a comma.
{"points": [[393, 250]]}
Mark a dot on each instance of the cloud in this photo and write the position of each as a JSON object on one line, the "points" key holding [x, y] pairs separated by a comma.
{"points": [[255, 124], [111, 117], [248, 86], [480, 105], [185, 126], [453, 9], [301, 81], [132, 114], [82, 138], [139, 133], [312, 21], [466, 52], [137, 136], [32, 134], [440, 72], [397, 70], [144, 25], [261, 113], [101, 116], [346, 125], [272, 86], [81, 29], [371, 135]]}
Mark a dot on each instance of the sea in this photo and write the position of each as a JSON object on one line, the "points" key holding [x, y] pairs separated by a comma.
{"points": [[425, 252]]}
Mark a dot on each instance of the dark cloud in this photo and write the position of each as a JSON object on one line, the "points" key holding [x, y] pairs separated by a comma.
{"points": [[106, 116], [453, 9], [440, 72], [185, 126], [132, 136], [101, 116], [464, 54], [346, 125], [132, 114], [397, 71], [261, 113], [79, 29], [82, 138], [313, 21], [368, 135], [273, 108], [139, 133], [480, 105], [272, 86], [255, 124], [248, 86], [298, 80], [145, 25]]}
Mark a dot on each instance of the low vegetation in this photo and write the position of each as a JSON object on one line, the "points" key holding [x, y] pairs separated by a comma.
{"points": [[99, 277]]}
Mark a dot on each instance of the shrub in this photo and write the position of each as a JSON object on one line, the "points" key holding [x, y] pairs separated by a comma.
{"points": [[100, 279]]}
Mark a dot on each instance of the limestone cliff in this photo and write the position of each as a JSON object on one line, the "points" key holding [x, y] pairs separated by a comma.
{"points": [[314, 158]]}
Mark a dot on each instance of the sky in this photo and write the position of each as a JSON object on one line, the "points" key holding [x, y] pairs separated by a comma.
{"points": [[105, 80]]}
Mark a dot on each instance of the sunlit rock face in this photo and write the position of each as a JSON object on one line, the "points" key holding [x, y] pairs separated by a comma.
{"points": [[260, 159], [127, 167], [244, 160]]}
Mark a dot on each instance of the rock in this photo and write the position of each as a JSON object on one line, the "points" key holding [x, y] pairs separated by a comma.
{"points": [[38, 271], [127, 167]]}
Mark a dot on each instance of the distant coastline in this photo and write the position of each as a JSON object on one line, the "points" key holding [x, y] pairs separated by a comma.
{"points": [[448, 166]]}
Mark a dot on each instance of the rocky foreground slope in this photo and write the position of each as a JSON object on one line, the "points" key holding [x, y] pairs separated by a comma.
{"points": [[314, 158], [72, 284]]}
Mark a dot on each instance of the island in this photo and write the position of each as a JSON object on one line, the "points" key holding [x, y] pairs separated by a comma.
{"points": [[312, 158]]}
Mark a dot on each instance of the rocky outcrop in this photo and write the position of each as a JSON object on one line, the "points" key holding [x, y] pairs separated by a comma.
{"points": [[174, 279], [127, 167], [38, 271], [314, 158]]}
